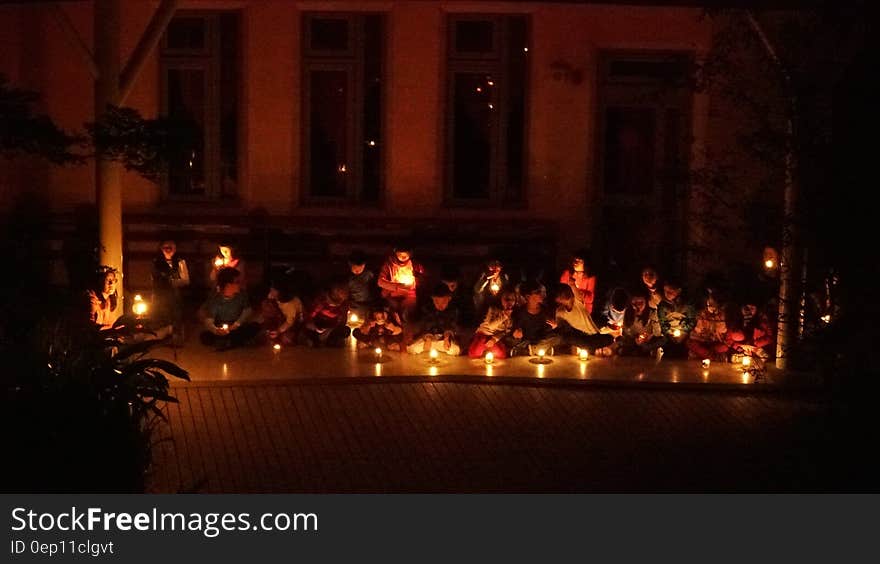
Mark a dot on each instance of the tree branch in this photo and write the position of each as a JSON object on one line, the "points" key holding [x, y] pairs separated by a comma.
{"points": [[75, 40], [148, 41]]}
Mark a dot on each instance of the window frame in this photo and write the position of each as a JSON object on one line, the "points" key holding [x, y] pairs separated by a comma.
{"points": [[353, 62], [498, 65], [208, 61]]}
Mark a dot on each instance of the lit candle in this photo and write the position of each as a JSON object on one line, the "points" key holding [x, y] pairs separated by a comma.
{"points": [[218, 262], [495, 287], [276, 347], [353, 318], [826, 319], [378, 353], [490, 357], [432, 371], [769, 263], [706, 363], [746, 361], [406, 279], [225, 327], [433, 354], [676, 333], [583, 354], [541, 353], [140, 306]]}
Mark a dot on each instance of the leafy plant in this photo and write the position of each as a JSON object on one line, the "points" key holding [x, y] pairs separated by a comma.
{"points": [[86, 405]]}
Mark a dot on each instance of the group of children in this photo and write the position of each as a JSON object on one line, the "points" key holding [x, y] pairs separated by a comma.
{"points": [[403, 309]]}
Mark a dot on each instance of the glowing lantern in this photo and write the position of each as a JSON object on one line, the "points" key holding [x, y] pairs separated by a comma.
{"points": [[583, 355]]}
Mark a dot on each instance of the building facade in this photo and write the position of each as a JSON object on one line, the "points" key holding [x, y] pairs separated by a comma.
{"points": [[319, 126]]}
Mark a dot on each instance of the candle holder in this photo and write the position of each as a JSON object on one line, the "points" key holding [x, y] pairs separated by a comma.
{"points": [[583, 355], [379, 356], [541, 358]]}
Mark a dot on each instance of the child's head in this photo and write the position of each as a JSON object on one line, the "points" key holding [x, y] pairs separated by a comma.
{"points": [[564, 296], [531, 292], [379, 316], [106, 280], [671, 290], [619, 299], [357, 262], [449, 275], [168, 249], [493, 266], [227, 249], [507, 298], [228, 282], [579, 262], [638, 301], [403, 252], [441, 296], [338, 291], [649, 276]]}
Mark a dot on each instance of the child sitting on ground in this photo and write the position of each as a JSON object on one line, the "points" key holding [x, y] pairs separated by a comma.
{"points": [[438, 325], [707, 340], [641, 334], [573, 325], [577, 276], [399, 279], [225, 315], [281, 313], [361, 281], [325, 325], [750, 333], [381, 329], [494, 333], [677, 319], [611, 321], [530, 329]]}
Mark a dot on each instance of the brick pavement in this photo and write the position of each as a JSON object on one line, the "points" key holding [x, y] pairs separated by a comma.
{"points": [[386, 435]]}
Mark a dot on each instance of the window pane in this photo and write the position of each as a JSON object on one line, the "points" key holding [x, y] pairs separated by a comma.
{"points": [[186, 107], [329, 34], [474, 36], [629, 151], [372, 142], [228, 104], [329, 166], [186, 33], [474, 107]]}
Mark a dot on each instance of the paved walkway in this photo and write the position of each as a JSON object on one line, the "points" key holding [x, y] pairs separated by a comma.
{"points": [[396, 435]]}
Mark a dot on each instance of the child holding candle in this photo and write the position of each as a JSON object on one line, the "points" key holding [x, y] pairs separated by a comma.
{"points": [[651, 284], [750, 333], [677, 319], [227, 257], [612, 318], [641, 334], [325, 325], [226, 314], [573, 325], [438, 325], [707, 340], [578, 277], [399, 279], [382, 329], [494, 333], [281, 313], [530, 329], [488, 285]]}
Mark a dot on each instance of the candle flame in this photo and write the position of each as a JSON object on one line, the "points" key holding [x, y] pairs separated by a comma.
{"points": [[583, 354], [277, 347], [490, 357], [433, 354]]}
